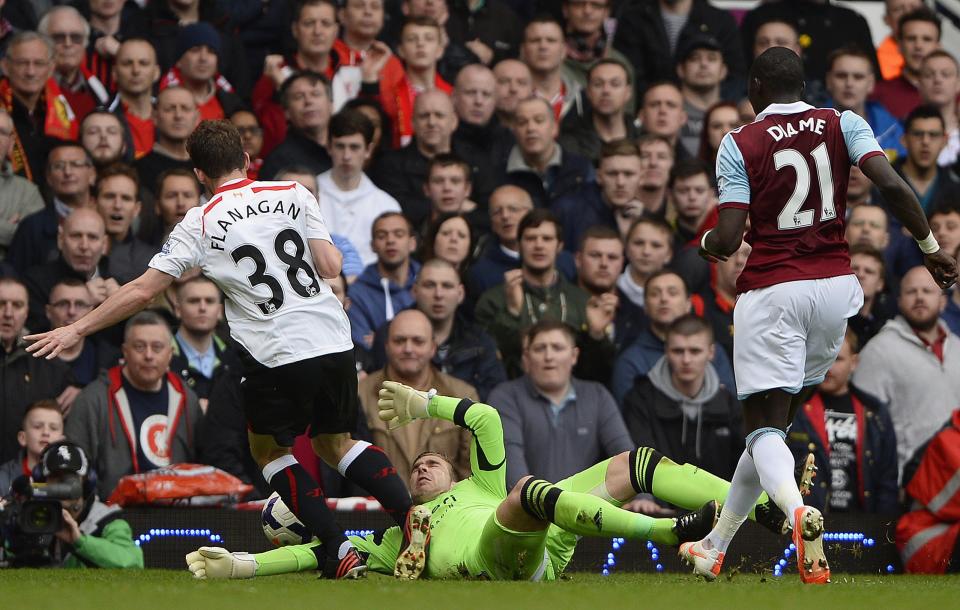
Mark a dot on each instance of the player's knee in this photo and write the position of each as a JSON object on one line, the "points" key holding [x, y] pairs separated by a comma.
{"points": [[264, 455], [517, 492], [330, 447]]}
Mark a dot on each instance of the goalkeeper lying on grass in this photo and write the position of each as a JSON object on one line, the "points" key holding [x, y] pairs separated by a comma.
{"points": [[475, 529]]}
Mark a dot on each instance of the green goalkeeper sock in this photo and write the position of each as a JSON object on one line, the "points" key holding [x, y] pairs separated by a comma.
{"points": [[287, 559], [587, 515], [682, 485]]}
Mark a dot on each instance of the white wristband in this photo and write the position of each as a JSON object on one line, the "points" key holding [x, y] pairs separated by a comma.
{"points": [[703, 240], [928, 245]]}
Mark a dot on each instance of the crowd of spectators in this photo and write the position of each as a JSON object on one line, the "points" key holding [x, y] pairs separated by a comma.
{"points": [[518, 189]]}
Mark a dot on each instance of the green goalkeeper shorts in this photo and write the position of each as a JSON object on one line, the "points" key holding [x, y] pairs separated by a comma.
{"points": [[504, 554]]}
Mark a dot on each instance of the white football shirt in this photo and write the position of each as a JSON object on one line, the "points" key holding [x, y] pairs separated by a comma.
{"points": [[251, 239]]}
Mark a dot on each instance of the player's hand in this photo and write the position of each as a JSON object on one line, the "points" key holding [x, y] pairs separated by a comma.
{"points": [[942, 267], [400, 404], [51, 343], [217, 562], [601, 310], [709, 256], [513, 291], [374, 60]]}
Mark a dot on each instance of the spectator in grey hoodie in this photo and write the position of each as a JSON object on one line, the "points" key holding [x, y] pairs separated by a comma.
{"points": [[680, 408]]}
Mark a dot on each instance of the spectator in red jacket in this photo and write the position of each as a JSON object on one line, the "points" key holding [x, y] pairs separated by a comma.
{"points": [[421, 46]]}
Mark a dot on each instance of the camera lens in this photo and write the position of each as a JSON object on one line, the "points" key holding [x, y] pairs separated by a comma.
{"points": [[40, 517]]}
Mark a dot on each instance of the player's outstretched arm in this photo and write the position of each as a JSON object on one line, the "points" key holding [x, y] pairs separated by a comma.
{"points": [[399, 404], [128, 300], [903, 204]]}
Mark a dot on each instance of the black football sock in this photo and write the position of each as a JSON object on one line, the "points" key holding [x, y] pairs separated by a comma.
{"points": [[302, 495], [370, 468]]}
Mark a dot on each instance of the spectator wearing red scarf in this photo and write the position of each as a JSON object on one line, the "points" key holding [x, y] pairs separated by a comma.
{"points": [[70, 34], [41, 114], [421, 46]]}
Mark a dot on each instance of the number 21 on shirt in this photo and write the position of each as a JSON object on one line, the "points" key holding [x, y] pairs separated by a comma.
{"points": [[790, 217]]}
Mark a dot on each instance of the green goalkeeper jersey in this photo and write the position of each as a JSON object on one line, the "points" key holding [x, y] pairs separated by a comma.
{"points": [[462, 517]]}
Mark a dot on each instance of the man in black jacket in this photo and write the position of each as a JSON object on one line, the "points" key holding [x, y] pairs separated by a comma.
{"points": [[24, 379], [489, 28], [680, 406], [306, 99], [480, 139], [402, 173], [81, 241], [650, 33]]}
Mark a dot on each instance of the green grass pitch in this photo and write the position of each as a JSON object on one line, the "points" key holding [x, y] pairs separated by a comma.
{"points": [[171, 590]]}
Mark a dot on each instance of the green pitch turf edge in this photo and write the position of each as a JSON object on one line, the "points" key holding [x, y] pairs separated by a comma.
{"points": [[171, 590]]}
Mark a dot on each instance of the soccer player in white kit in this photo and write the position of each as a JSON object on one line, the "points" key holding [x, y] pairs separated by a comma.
{"points": [[787, 171], [267, 247]]}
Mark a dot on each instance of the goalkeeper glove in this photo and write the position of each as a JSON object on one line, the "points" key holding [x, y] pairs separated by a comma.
{"points": [[400, 404], [216, 562]]}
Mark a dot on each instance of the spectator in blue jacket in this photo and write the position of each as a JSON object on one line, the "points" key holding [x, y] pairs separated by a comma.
{"points": [[383, 289], [850, 82], [852, 437], [666, 298]]}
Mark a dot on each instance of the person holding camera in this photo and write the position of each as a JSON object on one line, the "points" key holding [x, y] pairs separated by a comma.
{"points": [[88, 533]]}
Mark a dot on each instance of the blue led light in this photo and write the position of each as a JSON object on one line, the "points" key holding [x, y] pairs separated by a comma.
{"points": [[659, 567], [605, 572], [649, 544], [655, 556], [889, 568]]}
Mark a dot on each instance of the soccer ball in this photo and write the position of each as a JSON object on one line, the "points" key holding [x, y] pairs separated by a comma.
{"points": [[281, 526]]}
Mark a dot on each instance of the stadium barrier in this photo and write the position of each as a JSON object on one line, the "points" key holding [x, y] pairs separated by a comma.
{"points": [[856, 543]]}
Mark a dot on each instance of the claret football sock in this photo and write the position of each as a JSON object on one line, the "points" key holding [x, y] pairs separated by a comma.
{"points": [[587, 515], [370, 468], [302, 495]]}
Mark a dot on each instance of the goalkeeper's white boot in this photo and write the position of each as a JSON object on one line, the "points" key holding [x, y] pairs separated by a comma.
{"points": [[705, 562], [216, 562], [416, 533]]}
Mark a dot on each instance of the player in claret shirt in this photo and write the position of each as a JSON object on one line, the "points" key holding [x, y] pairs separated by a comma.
{"points": [[787, 171], [266, 246]]}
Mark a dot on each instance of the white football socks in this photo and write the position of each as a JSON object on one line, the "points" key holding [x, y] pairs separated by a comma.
{"points": [[744, 492], [775, 465]]}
